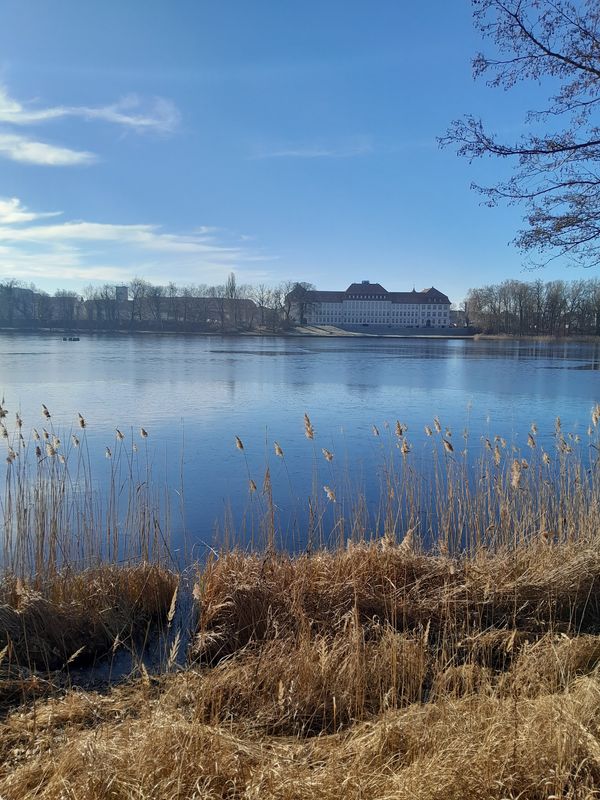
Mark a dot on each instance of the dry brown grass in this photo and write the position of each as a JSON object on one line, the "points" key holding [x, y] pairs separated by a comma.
{"points": [[371, 672], [149, 742], [377, 669], [536, 588], [48, 624]]}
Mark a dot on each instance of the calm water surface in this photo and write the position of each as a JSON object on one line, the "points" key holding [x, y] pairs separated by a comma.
{"points": [[194, 394]]}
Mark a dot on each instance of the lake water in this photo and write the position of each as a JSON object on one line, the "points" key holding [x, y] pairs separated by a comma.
{"points": [[195, 394]]}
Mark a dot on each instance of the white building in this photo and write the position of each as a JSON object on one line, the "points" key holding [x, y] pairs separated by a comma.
{"points": [[369, 304]]}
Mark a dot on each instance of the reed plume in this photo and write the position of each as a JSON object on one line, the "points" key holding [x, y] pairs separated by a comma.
{"points": [[308, 428], [515, 473], [330, 493], [448, 447]]}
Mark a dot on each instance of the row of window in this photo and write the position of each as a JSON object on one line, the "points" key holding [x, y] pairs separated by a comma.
{"points": [[381, 315], [375, 321], [373, 305]]}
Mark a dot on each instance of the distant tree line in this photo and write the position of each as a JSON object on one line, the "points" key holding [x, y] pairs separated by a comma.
{"points": [[144, 305], [553, 308]]}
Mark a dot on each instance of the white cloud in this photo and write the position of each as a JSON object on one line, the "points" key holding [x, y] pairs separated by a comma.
{"points": [[141, 236], [29, 151], [157, 114], [132, 112], [61, 264], [13, 211], [80, 250]]}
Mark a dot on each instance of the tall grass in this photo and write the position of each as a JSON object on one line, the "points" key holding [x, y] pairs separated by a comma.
{"points": [[55, 513], [445, 645], [84, 566]]}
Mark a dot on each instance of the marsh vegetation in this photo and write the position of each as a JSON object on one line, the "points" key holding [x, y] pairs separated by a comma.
{"points": [[390, 658]]}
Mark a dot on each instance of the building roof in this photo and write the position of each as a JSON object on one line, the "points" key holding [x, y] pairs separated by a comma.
{"points": [[364, 291], [435, 294], [406, 297], [314, 296]]}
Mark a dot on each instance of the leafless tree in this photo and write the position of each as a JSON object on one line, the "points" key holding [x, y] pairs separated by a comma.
{"points": [[232, 295], [557, 159], [66, 305], [172, 293], [155, 295], [260, 295], [138, 290], [11, 300], [296, 294], [555, 308]]}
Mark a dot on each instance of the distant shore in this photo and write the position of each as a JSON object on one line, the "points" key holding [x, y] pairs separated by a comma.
{"points": [[504, 337], [318, 331], [297, 331], [383, 333]]}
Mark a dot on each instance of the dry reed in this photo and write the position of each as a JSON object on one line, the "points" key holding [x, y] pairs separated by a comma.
{"points": [[448, 648]]}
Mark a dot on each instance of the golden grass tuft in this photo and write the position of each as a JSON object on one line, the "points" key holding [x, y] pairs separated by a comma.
{"points": [[45, 625], [163, 740], [536, 588], [365, 672]]}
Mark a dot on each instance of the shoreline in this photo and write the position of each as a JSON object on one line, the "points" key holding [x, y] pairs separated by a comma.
{"points": [[296, 332], [511, 337], [310, 331]]}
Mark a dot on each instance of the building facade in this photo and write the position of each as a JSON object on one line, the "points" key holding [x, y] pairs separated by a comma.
{"points": [[369, 304]]}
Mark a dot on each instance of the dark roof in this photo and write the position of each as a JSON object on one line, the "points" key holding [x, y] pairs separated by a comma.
{"points": [[366, 289], [435, 295], [324, 297], [406, 297]]}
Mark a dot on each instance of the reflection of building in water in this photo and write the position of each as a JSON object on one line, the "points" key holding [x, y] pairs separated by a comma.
{"points": [[368, 303]]}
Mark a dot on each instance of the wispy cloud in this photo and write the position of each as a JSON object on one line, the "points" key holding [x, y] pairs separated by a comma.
{"points": [[99, 251], [157, 113], [29, 151], [144, 236], [360, 147], [13, 211]]}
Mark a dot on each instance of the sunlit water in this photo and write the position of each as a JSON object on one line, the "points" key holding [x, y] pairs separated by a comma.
{"points": [[195, 394]]}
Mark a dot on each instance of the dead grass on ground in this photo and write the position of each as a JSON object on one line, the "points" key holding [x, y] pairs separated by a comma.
{"points": [[371, 672], [149, 742], [74, 617]]}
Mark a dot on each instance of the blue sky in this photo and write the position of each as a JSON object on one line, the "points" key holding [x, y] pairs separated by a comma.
{"points": [[182, 140]]}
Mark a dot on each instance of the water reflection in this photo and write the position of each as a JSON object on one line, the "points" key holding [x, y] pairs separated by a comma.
{"points": [[194, 394]]}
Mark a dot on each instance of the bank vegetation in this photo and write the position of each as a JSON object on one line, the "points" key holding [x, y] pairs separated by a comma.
{"points": [[446, 646], [536, 308]]}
